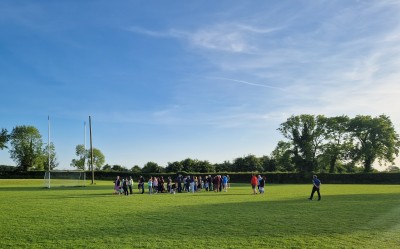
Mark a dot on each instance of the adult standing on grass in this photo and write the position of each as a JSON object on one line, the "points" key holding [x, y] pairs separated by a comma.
{"points": [[316, 187], [125, 185], [130, 184], [141, 184], [254, 183], [116, 185], [262, 185], [150, 185]]}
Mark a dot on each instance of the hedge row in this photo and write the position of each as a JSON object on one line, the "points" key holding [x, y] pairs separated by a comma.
{"points": [[358, 178]]}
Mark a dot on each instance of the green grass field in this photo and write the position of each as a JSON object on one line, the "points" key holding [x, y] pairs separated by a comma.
{"points": [[349, 216]]}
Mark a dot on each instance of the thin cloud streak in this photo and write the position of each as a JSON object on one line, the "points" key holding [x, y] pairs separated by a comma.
{"points": [[248, 83]]}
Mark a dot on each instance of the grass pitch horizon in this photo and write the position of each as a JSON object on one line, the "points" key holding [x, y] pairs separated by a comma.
{"points": [[349, 216]]}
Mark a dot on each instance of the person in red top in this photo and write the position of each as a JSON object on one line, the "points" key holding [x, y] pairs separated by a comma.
{"points": [[254, 182]]}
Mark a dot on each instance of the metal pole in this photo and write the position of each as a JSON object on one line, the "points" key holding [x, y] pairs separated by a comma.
{"points": [[48, 146], [91, 148]]}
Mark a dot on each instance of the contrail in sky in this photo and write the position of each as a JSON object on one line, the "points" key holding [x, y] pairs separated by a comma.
{"points": [[248, 83]]}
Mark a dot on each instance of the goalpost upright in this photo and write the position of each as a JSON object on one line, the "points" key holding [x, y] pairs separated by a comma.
{"points": [[48, 146]]}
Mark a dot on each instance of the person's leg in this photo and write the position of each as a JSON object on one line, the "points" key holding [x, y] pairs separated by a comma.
{"points": [[312, 193], [319, 195]]}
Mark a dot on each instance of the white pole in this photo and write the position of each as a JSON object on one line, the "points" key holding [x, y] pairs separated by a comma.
{"points": [[48, 145], [84, 144]]}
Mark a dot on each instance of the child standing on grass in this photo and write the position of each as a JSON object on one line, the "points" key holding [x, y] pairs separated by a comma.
{"points": [[150, 185]]}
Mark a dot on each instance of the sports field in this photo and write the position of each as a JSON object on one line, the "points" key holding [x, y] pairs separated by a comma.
{"points": [[349, 216]]}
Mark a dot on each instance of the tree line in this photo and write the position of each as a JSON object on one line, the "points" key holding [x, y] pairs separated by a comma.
{"points": [[313, 144]]}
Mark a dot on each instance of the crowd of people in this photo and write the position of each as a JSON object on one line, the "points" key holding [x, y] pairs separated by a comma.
{"points": [[180, 184], [192, 184]]}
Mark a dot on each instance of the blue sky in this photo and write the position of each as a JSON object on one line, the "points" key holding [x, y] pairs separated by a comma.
{"points": [[209, 80]]}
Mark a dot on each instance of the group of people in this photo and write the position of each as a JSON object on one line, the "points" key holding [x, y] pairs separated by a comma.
{"points": [[258, 183], [121, 186], [193, 184], [180, 184]]}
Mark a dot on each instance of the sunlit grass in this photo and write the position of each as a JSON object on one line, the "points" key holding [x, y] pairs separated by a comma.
{"points": [[349, 216]]}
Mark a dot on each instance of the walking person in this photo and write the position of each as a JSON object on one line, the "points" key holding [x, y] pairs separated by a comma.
{"points": [[316, 187]]}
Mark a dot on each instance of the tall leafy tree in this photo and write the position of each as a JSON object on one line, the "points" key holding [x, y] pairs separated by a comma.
{"points": [[226, 166], [98, 159], [375, 139], [188, 165], [282, 155], [249, 163], [4, 137], [338, 141], [152, 167], [136, 169], [45, 158], [305, 133], [204, 167], [174, 167], [84, 156], [26, 147]]}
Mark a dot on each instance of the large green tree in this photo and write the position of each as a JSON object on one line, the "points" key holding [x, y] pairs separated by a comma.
{"points": [[282, 156], [375, 139], [305, 133], [152, 167], [26, 147], [338, 141], [249, 163]]}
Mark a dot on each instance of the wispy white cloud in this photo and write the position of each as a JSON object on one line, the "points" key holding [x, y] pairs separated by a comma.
{"points": [[248, 83]]}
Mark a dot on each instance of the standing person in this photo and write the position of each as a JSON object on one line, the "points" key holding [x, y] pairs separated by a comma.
{"points": [[141, 184], [316, 187], [192, 184], [225, 183], [259, 180], [125, 186], [199, 184], [130, 184], [262, 185], [150, 185], [169, 184], [155, 184], [117, 183], [187, 183], [179, 183], [254, 182], [210, 183]]}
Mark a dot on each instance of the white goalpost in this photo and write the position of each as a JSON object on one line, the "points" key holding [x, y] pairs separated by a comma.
{"points": [[64, 179]]}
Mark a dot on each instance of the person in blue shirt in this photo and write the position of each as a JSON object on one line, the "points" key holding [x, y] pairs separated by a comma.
{"points": [[316, 187]]}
